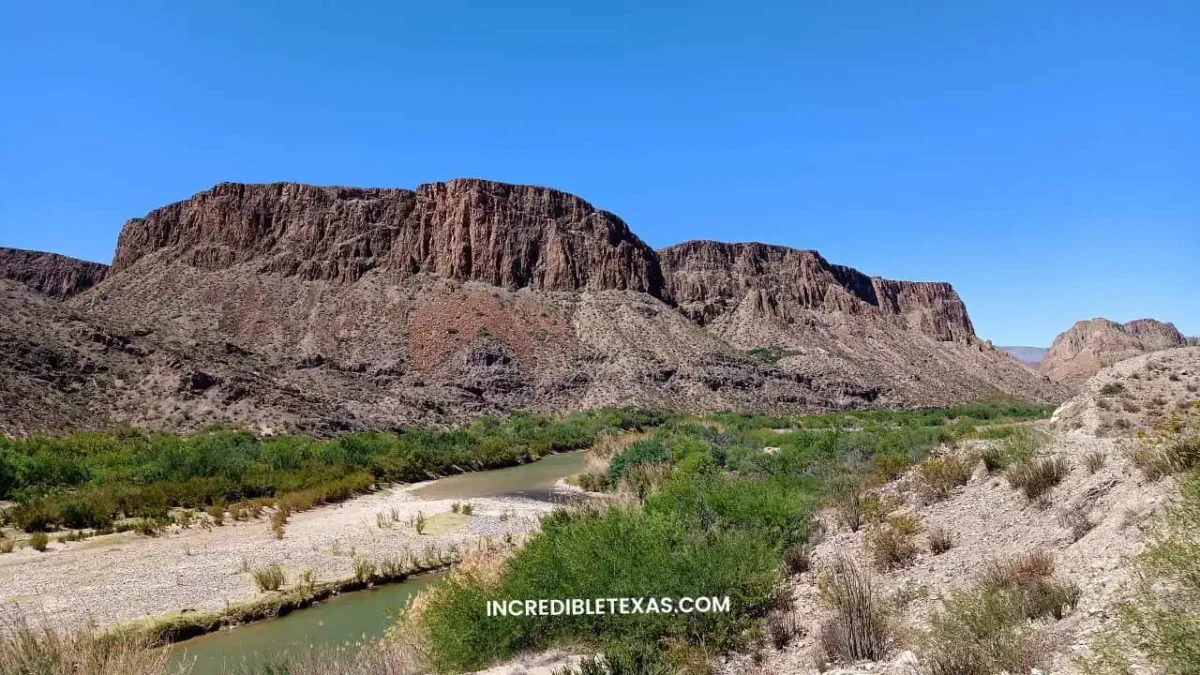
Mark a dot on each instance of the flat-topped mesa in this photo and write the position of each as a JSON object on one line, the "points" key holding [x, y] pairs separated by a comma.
{"points": [[55, 275], [513, 236], [709, 279]]}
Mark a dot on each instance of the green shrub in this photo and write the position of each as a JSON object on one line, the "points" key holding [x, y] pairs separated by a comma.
{"points": [[937, 477], [40, 541], [986, 629], [269, 578], [892, 545], [642, 452], [616, 553]]}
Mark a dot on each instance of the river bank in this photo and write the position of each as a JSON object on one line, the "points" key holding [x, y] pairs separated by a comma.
{"points": [[123, 578]]}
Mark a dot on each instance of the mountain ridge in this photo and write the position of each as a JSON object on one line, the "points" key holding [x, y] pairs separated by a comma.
{"points": [[284, 305]]}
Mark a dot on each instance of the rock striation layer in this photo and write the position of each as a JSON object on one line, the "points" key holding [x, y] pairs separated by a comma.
{"points": [[1088, 346], [288, 306]]}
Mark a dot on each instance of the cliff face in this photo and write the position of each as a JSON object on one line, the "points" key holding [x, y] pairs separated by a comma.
{"points": [[510, 236], [288, 306], [710, 280], [1088, 346], [49, 273]]}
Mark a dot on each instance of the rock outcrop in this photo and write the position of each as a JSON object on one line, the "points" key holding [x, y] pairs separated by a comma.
{"points": [[55, 275], [511, 236], [711, 280], [287, 306], [1088, 346]]}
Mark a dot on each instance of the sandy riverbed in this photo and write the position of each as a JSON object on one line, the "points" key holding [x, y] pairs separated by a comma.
{"points": [[124, 577]]}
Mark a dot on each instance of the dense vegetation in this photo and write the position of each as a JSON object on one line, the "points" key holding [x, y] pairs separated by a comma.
{"points": [[87, 480], [714, 515]]}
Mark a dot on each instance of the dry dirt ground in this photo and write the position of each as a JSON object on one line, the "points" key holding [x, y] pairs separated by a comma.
{"points": [[989, 520], [124, 577]]}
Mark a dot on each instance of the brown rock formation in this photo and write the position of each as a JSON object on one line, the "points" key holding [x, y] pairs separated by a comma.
{"points": [[326, 308], [710, 280], [512, 236], [1085, 348], [55, 275]]}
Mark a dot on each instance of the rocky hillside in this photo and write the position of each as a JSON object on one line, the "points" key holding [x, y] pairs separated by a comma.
{"points": [[325, 308], [1088, 346], [935, 536], [49, 273]]}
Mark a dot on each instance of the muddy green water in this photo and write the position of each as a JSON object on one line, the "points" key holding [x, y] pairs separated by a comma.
{"points": [[533, 480], [347, 621], [343, 622]]}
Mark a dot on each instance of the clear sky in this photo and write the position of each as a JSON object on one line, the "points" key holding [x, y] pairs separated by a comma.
{"points": [[1044, 157]]}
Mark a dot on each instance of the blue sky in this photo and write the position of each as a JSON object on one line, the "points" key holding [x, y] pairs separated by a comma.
{"points": [[1044, 157]]}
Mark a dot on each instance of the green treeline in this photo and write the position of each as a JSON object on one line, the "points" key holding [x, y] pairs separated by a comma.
{"points": [[87, 480]]}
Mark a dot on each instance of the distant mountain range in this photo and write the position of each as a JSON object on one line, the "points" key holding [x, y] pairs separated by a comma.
{"points": [[1030, 356], [288, 306]]}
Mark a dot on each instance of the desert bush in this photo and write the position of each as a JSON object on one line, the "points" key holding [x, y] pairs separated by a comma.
{"points": [[782, 628], [893, 544], [364, 570], [7, 545], [797, 558], [1112, 388], [940, 540], [39, 541], [1094, 460], [279, 521], [986, 629], [468, 509], [860, 625], [980, 634], [846, 496], [938, 476], [1036, 477], [1019, 446], [269, 578], [419, 522], [1028, 580], [592, 482], [887, 467], [876, 508], [1155, 461]]}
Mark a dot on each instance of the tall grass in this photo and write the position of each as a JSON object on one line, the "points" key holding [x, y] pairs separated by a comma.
{"points": [[27, 650]]}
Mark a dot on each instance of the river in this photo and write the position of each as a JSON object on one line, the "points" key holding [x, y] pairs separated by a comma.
{"points": [[347, 621]]}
